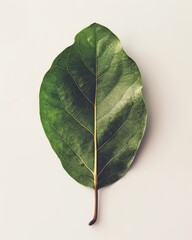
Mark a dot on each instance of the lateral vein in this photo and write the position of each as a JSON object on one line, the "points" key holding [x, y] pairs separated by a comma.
{"points": [[71, 116], [70, 146]]}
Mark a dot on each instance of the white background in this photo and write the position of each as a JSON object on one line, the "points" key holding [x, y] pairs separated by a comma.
{"points": [[38, 199]]}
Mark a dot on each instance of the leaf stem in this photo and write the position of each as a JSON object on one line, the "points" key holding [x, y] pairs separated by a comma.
{"points": [[95, 208]]}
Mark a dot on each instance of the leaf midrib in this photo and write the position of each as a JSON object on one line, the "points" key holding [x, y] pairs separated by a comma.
{"points": [[95, 117]]}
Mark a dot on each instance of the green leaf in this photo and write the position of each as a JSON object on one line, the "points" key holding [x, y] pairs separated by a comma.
{"points": [[92, 109]]}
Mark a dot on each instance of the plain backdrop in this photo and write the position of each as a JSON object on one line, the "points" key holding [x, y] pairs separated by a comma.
{"points": [[38, 199]]}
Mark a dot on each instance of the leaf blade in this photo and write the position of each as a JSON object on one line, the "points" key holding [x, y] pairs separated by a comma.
{"points": [[100, 88]]}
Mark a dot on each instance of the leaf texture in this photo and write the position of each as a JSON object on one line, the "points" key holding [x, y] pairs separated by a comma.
{"points": [[92, 109]]}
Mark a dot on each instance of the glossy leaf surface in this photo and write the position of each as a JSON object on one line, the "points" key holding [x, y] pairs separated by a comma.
{"points": [[92, 108]]}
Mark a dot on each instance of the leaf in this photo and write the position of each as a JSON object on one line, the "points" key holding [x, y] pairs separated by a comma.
{"points": [[92, 109]]}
